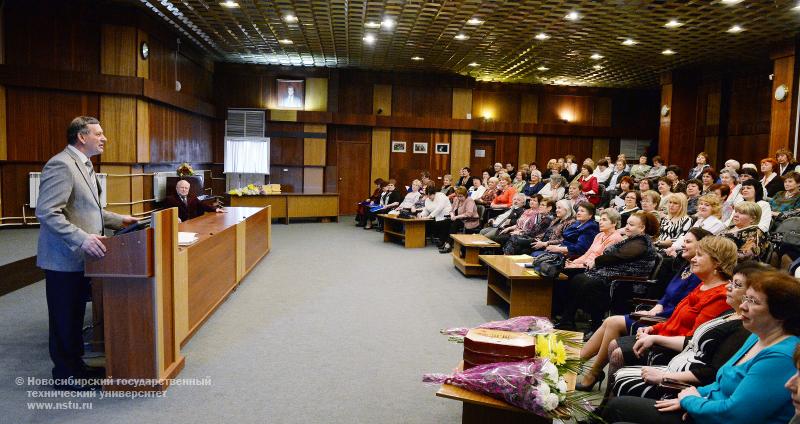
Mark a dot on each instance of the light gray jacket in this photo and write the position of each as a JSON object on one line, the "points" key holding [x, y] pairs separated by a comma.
{"points": [[68, 210]]}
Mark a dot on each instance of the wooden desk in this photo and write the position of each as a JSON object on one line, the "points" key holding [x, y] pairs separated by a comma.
{"points": [[526, 294], [409, 231], [467, 261], [229, 246], [294, 205]]}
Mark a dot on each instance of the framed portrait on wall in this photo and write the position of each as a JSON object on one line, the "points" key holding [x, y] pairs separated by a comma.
{"points": [[290, 93], [398, 147], [442, 148], [420, 147]]}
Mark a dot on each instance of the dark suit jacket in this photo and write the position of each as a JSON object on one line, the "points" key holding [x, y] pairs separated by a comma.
{"points": [[194, 208]]}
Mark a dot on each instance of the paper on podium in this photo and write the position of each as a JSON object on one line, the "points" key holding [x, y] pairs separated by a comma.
{"points": [[185, 239]]}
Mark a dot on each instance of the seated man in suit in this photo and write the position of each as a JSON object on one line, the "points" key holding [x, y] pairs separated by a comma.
{"points": [[188, 206]]}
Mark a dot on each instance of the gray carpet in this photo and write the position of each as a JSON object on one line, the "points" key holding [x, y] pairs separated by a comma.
{"points": [[333, 326], [16, 244]]}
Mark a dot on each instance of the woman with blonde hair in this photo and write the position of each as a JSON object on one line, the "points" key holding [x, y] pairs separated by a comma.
{"points": [[709, 211], [650, 201], [676, 222], [750, 240]]}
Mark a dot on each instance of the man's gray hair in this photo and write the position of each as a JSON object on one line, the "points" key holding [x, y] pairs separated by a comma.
{"points": [[79, 125]]}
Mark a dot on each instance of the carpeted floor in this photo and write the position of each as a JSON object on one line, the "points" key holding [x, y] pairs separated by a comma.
{"points": [[333, 326]]}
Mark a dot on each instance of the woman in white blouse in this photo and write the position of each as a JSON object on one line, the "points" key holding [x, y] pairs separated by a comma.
{"points": [[477, 189], [676, 223], [555, 189], [709, 211]]}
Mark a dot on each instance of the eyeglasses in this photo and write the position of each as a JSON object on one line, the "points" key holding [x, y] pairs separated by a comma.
{"points": [[750, 299]]}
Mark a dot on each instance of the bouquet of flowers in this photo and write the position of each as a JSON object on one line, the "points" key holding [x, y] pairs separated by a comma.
{"points": [[185, 170], [534, 385], [523, 324], [249, 190]]}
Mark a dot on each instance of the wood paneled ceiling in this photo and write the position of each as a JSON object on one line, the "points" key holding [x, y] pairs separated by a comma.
{"points": [[505, 45]]}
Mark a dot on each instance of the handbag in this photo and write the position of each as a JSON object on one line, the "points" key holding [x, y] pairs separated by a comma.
{"points": [[549, 264]]}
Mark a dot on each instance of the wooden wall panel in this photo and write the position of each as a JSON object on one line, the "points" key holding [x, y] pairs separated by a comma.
{"points": [[118, 50], [527, 149], [176, 136], [601, 113], [314, 151], [286, 143], [548, 147], [118, 118], [381, 145], [665, 122], [355, 95], [502, 106], [426, 101], [289, 177], [142, 131], [407, 166], [195, 79], [382, 99], [462, 103], [41, 119], [118, 188], [316, 98], [559, 109], [242, 91], [51, 35], [460, 151], [313, 178], [529, 109], [506, 146], [142, 64], [3, 125], [14, 180], [600, 149], [782, 123], [747, 133]]}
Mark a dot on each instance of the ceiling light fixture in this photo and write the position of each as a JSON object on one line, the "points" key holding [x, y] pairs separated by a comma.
{"points": [[731, 2], [598, 67], [630, 42], [668, 52], [474, 64], [387, 23], [596, 56], [290, 19], [673, 23], [796, 8], [369, 39], [286, 41], [542, 36], [475, 21], [543, 68], [417, 58], [572, 16], [735, 29], [462, 37], [229, 4], [372, 25]]}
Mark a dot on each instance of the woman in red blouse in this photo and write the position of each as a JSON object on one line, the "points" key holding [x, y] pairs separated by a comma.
{"points": [[713, 264], [589, 185]]}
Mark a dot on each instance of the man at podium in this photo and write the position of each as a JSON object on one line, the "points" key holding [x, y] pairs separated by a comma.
{"points": [[188, 206], [72, 221]]}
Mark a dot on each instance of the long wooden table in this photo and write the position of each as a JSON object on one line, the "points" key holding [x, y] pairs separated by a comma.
{"points": [[294, 205], [466, 249], [155, 294], [525, 292], [409, 231]]}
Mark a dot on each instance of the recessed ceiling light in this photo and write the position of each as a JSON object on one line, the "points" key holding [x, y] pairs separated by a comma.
{"points": [[673, 23], [596, 56], [731, 2], [543, 68], [417, 58], [474, 21], [369, 38], [462, 37], [387, 23], [796, 8], [290, 19], [629, 42], [542, 36], [286, 41], [735, 29], [598, 67], [229, 4], [474, 64], [572, 16], [668, 52], [373, 25]]}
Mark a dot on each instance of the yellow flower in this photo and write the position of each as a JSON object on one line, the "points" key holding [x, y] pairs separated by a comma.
{"points": [[542, 346], [559, 354], [251, 187]]}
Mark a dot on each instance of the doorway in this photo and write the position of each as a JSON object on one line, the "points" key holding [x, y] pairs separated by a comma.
{"points": [[353, 167], [481, 156]]}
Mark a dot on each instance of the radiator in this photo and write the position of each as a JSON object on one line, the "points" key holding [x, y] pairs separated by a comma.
{"points": [[160, 184], [35, 178]]}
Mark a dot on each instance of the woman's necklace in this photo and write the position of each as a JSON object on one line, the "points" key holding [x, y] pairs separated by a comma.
{"points": [[687, 271]]}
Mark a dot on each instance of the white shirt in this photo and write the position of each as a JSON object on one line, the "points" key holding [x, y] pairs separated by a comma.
{"points": [[476, 193], [548, 193], [766, 217], [439, 208], [603, 176], [711, 224]]}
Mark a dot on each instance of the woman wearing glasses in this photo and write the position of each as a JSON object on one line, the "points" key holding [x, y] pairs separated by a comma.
{"points": [[749, 387]]}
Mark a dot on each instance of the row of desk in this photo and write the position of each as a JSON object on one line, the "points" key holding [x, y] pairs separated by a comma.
{"points": [[289, 206]]}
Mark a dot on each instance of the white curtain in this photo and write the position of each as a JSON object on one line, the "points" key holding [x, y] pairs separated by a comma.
{"points": [[247, 155]]}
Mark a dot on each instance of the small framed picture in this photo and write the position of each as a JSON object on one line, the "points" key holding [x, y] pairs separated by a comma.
{"points": [[442, 148], [420, 147], [398, 147], [290, 93]]}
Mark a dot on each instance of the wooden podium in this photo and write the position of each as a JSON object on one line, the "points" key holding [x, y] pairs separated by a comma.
{"points": [[156, 295]]}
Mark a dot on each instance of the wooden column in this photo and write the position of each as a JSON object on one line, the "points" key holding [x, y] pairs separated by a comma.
{"points": [[665, 122], [528, 114], [314, 158], [460, 141], [783, 112], [712, 124], [382, 99], [316, 94], [381, 137]]}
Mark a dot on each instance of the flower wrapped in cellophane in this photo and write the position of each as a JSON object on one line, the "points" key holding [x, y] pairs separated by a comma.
{"points": [[522, 324], [534, 385]]}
